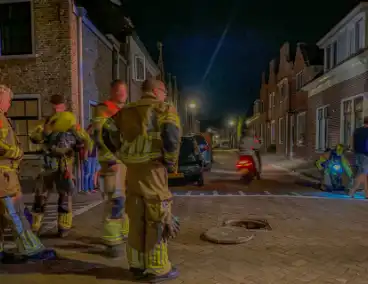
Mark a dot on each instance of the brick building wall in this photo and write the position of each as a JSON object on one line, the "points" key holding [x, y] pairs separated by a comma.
{"points": [[332, 98], [49, 70]]}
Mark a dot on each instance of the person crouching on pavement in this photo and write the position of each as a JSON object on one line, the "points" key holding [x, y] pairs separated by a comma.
{"points": [[61, 137], [28, 245], [332, 165], [146, 135], [360, 148]]}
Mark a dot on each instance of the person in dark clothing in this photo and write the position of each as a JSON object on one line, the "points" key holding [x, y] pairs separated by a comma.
{"points": [[360, 147]]}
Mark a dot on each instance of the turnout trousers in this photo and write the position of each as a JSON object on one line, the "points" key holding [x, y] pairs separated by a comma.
{"points": [[148, 202], [115, 219], [12, 215], [64, 184]]}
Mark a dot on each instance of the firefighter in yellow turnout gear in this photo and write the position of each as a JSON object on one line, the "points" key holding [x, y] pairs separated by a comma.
{"points": [[11, 204], [113, 174], [146, 136], [61, 137]]}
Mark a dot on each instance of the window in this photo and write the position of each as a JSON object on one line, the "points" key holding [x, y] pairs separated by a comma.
{"points": [[261, 132], [301, 128], [352, 118], [359, 35], [16, 28], [273, 134], [299, 80], [24, 114], [341, 46], [322, 128], [328, 57], [334, 54], [351, 41], [281, 130], [92, 109], [139, 69]]}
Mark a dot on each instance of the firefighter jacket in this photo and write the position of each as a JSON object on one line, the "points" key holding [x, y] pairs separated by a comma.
{"points": [[147, 130], [104, 111], [64, 136], [10, 150]]}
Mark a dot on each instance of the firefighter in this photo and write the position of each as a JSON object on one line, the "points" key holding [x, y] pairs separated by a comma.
{"points": [[61, 137], [113, 174], [11, 204], [332, 165], [146, 136]]}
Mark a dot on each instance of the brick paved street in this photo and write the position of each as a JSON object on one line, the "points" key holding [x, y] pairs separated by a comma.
{"points": [[312, 241]]}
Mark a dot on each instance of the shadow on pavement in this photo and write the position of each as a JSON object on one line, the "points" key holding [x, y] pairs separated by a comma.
{"points": [[67, 266], [83, 248], [309, 184]]}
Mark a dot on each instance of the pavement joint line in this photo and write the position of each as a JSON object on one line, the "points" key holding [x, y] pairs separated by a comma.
{"points": [[279, 196], [77, 212], [219, 171], [294, 173]]}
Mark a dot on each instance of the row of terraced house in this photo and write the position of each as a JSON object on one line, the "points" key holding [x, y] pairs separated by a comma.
{"points": [[54, 47], [314, 97]]}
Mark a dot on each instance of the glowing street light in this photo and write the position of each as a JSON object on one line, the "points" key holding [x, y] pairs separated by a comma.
{"points": [[231, 122], [192, 105]]}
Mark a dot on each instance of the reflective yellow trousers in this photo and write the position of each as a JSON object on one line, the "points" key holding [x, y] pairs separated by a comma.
{"points": [[116, 222], [148, 201]]}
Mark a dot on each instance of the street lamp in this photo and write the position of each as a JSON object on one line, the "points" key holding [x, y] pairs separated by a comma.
{"points": [[189, 110], [192, 105], [231, 122]]}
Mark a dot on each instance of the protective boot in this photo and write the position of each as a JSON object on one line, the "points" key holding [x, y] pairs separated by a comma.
{"points": [[36, 222], [115, 251], [137, 273], [64, 224], [152, 278], [113, 238]]}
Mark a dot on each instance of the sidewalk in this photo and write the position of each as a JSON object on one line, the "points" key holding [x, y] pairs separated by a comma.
{"points": [[299, 166], [312, 241]]}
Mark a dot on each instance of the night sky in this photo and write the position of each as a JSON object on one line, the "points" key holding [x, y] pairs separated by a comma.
{"points": [[190, 31]]}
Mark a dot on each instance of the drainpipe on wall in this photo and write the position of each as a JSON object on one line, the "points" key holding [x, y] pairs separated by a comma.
{"points": [[81, 13]]}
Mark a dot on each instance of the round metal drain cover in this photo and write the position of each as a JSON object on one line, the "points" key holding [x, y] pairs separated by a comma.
{"points": [[249, 224], [227, 235]]}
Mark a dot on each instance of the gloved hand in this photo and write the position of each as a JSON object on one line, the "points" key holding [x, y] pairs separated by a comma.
{"points": [[171, 228]]}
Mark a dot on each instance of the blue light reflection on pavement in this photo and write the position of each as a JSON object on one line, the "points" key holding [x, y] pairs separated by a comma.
{"points": [[335, 195]]}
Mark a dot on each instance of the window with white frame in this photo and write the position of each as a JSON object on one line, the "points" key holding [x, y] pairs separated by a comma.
{"points": [[301, 128], [322, 128], [139, 68], [281, 130], [299, 80], [24, 114], [352, 118], [273, 133], [16, 37]]}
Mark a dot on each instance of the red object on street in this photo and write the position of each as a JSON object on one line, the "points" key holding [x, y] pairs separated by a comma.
{"points": [[246, 162]]}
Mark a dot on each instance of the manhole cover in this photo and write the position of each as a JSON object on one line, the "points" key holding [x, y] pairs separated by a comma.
{"points": [[249, 224], [227, 235]]}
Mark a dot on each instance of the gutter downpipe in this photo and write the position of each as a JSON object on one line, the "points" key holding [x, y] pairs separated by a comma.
{"points": [[81, 12]]}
